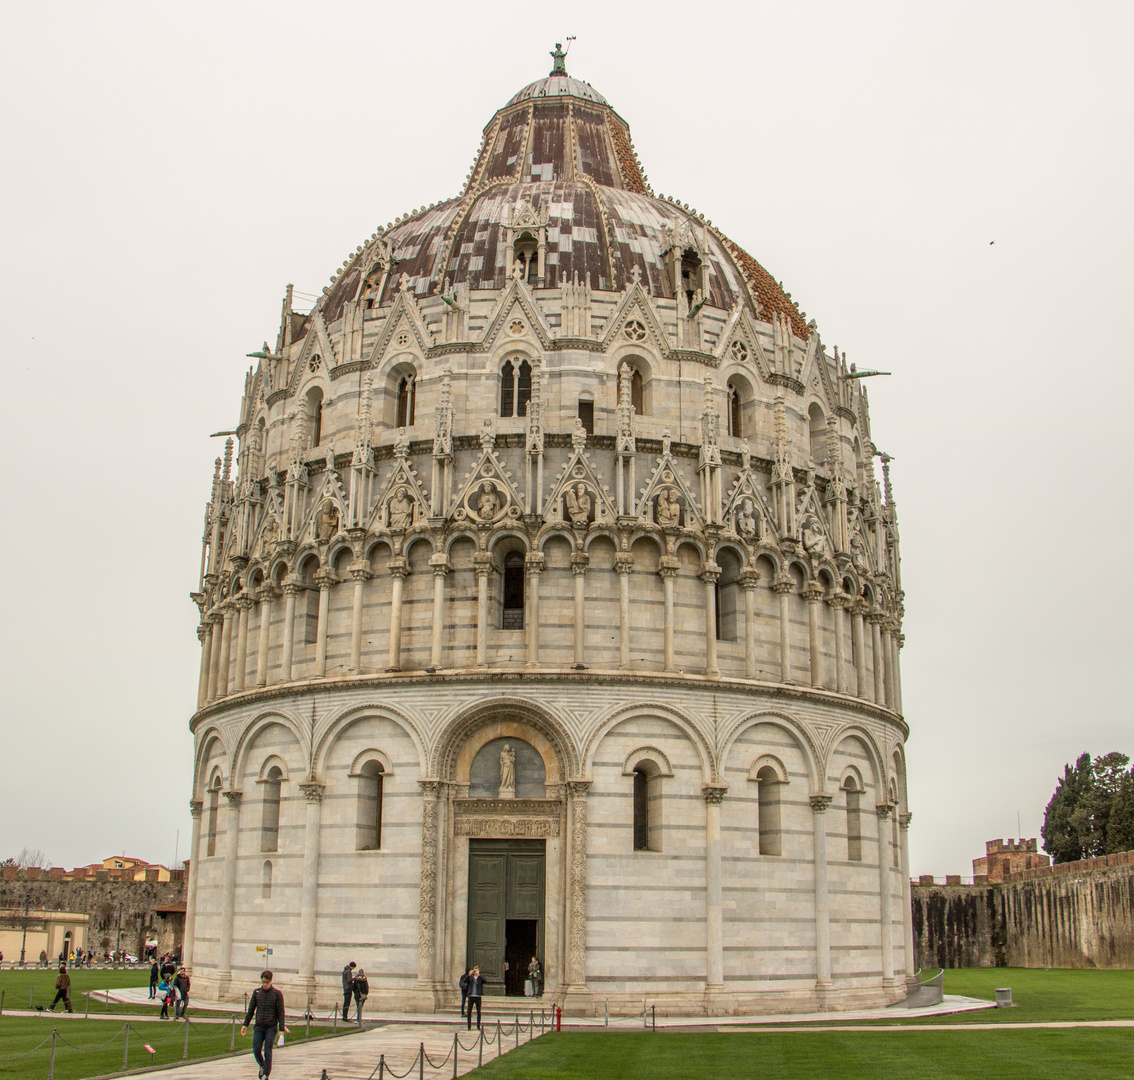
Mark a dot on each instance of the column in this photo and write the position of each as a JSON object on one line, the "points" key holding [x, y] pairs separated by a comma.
{"points": [[782, 587], [624, 567], [710, 572], [482, 565], [875, 619], [360, 574], [314, 794], [819, 804], [398, 571], [225, 650], [264, 595], [533, 564], [668, 566], [859, 651], [714, 918], [839, 601], [907, 911], [325, 579], [813, 594], [886, 917], [577, 884], [580, 560], [896, 637], [748, 580], [228, 892], [195, 806], [205, 637], [291, 590], [427, 907], [215, 619], [887, 654], [440, 569], [244, 603]]}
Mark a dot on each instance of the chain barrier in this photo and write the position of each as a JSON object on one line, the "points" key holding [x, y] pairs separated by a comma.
{"points": [[435, 1064], [468, 1048], [20, 1057], [92, 1049], [384, 1067]]}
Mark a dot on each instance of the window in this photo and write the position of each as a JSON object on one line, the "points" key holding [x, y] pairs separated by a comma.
{"points": [[315, 413], [270, 816], [513, 591], [818, 426], [515, 388], [266, 880], [526, 252], [369, 831], [690, 275], [854, 819], [735, 423], [636, 393], [768, 811], [214, 810], [641, 810], [406, 394], [587, 415]]}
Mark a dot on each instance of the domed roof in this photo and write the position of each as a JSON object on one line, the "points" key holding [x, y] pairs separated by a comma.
{"points": [[558, 160]]}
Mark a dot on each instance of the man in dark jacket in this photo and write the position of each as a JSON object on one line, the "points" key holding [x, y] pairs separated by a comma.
{"points": [[181, 985], [155, 974], [348, 988], [476, 991], [267, 1005], [463, 983]]}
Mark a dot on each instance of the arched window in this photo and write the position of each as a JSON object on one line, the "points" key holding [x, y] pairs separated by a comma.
{"points": [[513, 591], [369, 830], [315, 414], [515, 388], [854, 819], [637, 388], [690, 275], [270, 815], [266, 880], [587, 414], [818, 426], [214, 810], [728, 595], [735, 423], [647, 806], [525, 251], [768, 809], [407, 392]]}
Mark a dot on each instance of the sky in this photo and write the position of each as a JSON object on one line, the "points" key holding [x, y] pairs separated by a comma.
{"points": [[945, 189]]}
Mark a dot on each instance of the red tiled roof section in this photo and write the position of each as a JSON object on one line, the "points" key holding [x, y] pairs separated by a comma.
{"points": [[773, 299], [632, 176]]}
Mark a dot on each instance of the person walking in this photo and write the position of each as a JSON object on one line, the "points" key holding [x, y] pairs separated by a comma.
{"points": [[165, 991], [348, 988], [155, 976], [267, 1005], [181, 985], [535, 977], [361, 991], [476, 990], [62, 989], [463, 983]]}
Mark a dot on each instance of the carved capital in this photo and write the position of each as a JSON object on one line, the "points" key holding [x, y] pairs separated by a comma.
{"points": [[312, 790], [904, 821], [623, 563], [883, 810], [714, 793], [668, 565], [430, 788], [266, 593], [819, 803], [577, 789], [398, 567], [440, 565], [293, 588], [534, 562], [748, 578], [813, 592], [233, 798], [580, 560], [244, 602], [195, 807], [783, 584], [839, 599], [483, 563], [710, 572]]}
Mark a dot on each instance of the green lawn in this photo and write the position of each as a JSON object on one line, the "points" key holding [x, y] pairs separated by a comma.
{"points": [[95, 1047], [1038, 994], [38, 984], [1065, 1054]]}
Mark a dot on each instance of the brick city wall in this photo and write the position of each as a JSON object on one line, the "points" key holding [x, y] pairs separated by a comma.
{"points": [[1073, 915], [100, 900]]}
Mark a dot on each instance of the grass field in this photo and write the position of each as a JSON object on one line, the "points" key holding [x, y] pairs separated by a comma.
{"points": [[96, 1047], [1066, 1054]]}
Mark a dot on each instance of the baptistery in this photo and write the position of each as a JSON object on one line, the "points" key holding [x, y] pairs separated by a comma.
{"points": [[551, 608]]}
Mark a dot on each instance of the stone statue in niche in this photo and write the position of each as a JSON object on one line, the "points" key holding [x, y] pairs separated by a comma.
{"points": [[814, 539], [578, 501], [269, 536], [858, 551], [488, 504], [507, 772], [327, 521], [667, 512], [401, 510], [746, 519]]}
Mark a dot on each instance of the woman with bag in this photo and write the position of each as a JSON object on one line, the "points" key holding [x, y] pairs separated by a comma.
{"points": [[361, 990]]}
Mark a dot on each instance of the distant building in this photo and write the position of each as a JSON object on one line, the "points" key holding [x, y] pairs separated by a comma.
{"points": [[35, 930], [123, 867], [1002, 858]]}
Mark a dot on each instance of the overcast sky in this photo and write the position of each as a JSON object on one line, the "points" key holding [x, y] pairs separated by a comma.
{"points": [[945, 188]]}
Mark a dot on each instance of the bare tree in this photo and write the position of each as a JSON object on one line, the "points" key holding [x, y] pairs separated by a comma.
{"points": [[31, 857]]}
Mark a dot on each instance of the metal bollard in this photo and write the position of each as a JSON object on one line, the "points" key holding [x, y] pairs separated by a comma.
{"points": [[335, 1022], [531, 1025], [517, 1046], [480, 1050], [606, 1014], [31, 994], [2, 993], [644, 1023], [654, 1017], [232, 1037], [421, 1062], [86, 1010], [455, 1045], [185, 1049], [381, 1065], [307, 1034], [51, 1064], [106, 1001], [126, 1049], [499, 1039]]}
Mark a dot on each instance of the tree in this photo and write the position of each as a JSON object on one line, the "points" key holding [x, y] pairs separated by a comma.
{"points": [[1092, 810]]}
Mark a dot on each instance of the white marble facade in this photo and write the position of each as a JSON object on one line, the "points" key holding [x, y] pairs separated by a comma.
{"points": [[556, 463]]}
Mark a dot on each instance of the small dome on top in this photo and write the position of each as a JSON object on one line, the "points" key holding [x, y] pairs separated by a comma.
{"points": [[558, 83]]}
